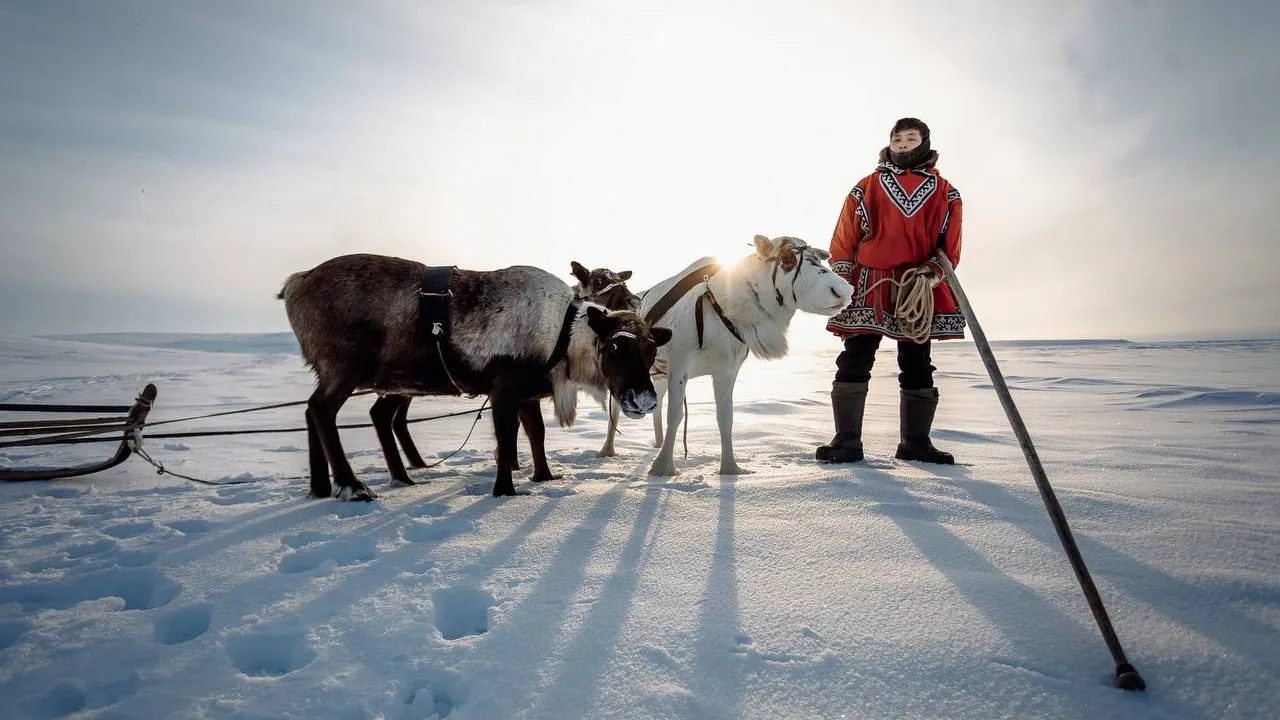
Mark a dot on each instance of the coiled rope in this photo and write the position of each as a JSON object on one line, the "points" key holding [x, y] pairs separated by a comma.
{"points": [[914, 309]]}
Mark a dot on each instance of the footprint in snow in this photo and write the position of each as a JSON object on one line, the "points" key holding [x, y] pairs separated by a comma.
{"points": [[271, 652], [418, 531], [183, 625], [139, 588], [129, 529], [303, 539], [427, 510], [435, 693], [338, 553], [461, 611], [194, 526], [11, 631], [239, 494]]}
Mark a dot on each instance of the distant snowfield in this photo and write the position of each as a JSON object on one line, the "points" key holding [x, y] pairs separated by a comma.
{"points": [[877, 590]]}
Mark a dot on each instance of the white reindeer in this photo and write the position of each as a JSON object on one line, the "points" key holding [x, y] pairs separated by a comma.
{"points": [[719, 315]]}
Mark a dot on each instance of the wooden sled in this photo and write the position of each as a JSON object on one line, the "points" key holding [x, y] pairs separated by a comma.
{"points": [[125, 419]]}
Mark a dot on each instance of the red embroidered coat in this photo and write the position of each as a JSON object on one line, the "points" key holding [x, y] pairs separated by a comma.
{"points": [[893, 220]]}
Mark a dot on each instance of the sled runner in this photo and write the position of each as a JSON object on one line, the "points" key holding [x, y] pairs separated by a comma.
{"points": [[91, 420]]}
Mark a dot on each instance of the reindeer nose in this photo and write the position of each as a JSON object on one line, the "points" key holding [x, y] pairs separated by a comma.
{"points": [[638, 403]]}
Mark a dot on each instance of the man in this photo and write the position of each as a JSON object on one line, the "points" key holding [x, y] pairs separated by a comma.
{"points": [[892, 221]]}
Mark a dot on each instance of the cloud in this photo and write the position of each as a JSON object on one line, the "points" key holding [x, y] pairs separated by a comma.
{"points": [[215, 149]]}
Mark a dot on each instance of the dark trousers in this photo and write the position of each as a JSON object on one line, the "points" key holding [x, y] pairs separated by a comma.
{"points": [[854, 362]]}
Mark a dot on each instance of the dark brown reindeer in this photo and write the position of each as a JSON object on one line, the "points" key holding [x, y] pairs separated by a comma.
{"points": [[601, 286], [517, 334]]}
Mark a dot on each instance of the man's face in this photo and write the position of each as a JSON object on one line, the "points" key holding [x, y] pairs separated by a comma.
{"points": [[905, 140]]}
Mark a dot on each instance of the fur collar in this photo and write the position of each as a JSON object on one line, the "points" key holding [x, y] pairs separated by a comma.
{"points": [[924, 165]]}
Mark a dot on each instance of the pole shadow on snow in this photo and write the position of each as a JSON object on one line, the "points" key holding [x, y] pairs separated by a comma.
{"points": [[1022, 615], [594, 645], [1176, 599]]}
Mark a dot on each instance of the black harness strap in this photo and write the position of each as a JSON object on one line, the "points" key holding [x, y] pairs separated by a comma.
{"points": [[433, 303], [687, 283], [561, 351], [673, 295], [697, 316], [434, 295]]}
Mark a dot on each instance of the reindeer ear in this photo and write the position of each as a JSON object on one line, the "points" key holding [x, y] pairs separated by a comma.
{"points": [[625, 275], [764, 246], [661, 335], [821, 254], [580, 272], [600, 322]]}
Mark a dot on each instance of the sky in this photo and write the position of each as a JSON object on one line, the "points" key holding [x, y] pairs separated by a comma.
{"points": [[166, 165]]}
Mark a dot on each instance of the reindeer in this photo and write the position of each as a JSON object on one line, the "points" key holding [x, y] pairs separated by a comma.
{"points": [[516, 334], [601, 286], [754, 301]]}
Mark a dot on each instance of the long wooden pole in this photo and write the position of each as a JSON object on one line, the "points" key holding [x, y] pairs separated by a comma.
{"points": [[1127, 678]]}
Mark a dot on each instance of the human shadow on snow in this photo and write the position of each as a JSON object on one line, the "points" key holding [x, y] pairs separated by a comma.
{"points": [[1020, 613]]}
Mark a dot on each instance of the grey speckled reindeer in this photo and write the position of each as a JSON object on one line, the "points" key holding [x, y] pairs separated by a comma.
{"points": [[600, 285], [356, 318]]}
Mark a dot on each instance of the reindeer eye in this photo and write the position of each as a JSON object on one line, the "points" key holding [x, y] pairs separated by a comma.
{"points": [[613, 347]]}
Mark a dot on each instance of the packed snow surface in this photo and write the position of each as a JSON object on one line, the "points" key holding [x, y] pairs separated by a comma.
{"points": [[882, 589]]}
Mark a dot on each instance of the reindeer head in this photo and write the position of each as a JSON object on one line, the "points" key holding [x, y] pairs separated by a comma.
{"points": [[801, 277], [605, 287], [627, 347]]}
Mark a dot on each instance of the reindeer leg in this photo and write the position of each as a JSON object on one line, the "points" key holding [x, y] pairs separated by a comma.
{"points": [[659, 387], [722, 384], [400, 425], [383, 415], [607, 449], [320, 485], [665, 463], [506, 424], [324, 405], [531, 418]]}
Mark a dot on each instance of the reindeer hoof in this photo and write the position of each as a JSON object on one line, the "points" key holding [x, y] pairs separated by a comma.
{"points": [[543, 478], [357, 492], [402, 482], [510, 493], [607, 452], [663, 469], [733, 469]]}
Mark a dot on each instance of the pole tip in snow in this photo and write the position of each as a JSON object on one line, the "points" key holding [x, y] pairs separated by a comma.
{"points": [[1128, 679]]}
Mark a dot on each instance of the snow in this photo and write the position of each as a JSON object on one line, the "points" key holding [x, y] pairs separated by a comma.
{"points": [[878, 590]]}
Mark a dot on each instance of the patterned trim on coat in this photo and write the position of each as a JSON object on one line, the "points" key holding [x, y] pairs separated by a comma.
{"points": [[852, 320], [909, 204], [953, 194], [864, 219]]}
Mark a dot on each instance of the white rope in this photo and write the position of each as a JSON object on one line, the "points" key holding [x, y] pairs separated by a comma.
{"points": [[914, 309]]}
